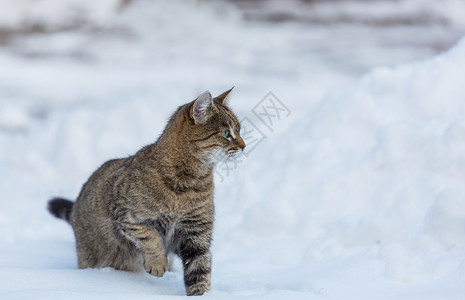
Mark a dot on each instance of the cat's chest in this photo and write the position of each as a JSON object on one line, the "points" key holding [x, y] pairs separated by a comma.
{"points": [[181, 189], [168, 226], [175, 228]]}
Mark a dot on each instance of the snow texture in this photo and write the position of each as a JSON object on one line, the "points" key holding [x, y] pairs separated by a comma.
{"points": [[356, 191]]}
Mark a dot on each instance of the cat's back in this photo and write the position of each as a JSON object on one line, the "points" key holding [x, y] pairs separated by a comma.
{"points": [[91, 195]]}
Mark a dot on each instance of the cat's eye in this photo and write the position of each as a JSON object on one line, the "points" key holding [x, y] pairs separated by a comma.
{"points": [[225, 133]]}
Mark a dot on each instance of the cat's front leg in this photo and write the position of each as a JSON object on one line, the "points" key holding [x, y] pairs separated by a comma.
{"points": [[195, 254], [155, 256]]}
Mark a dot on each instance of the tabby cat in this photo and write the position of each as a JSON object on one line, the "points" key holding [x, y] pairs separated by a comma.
{"points": [[134, 211]]}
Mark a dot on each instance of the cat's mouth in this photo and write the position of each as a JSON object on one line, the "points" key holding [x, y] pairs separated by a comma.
{"points": [[232, 152]]}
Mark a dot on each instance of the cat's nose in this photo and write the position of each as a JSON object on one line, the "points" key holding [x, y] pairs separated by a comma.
{"points": [[241, 143]]}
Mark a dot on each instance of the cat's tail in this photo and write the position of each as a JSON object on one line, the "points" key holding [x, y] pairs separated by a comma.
{"points": [[61, 208]]}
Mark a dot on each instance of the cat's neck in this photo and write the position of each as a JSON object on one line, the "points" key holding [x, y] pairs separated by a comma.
{"points": [[174, 150]]}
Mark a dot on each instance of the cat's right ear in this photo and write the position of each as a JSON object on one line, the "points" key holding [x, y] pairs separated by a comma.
{"points": [[200, 109], [222, 98]]}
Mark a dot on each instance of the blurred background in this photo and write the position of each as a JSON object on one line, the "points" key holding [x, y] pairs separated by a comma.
{"points": [[58, 54], [366, 169], [62, 56]]}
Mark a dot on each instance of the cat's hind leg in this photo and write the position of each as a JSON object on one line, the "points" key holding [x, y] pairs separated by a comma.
{"points": [[107, 247]]}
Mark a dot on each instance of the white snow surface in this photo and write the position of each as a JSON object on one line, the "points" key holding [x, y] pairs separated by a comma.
{"points": [[358, 193]]}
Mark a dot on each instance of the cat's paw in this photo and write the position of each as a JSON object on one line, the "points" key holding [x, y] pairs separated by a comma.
{"points": [[156, 266], [196, 291]]}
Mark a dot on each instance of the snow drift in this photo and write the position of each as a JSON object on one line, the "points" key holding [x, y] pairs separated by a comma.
{"points": [[379, 165]]}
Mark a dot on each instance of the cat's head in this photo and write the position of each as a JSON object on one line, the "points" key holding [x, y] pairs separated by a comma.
{"points": [[213, 125]]}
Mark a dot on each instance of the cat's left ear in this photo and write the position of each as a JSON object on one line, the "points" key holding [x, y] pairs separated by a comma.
{"points": [[200, 108], [222, 98]]}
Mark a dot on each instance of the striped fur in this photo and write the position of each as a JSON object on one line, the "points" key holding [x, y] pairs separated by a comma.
{"points": [[132, 212]]}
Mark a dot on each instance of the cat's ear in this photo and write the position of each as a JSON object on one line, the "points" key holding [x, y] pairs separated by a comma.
{"points": [[200, 108], [222, 98]]}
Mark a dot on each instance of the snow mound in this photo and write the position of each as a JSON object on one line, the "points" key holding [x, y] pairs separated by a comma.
{"points": [[378, 166]]}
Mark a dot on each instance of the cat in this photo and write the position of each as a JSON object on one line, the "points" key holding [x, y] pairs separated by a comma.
{"points": [[132, 212]]}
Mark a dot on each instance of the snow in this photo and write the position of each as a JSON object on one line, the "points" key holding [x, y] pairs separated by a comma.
{"points": [[355, 192]]}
